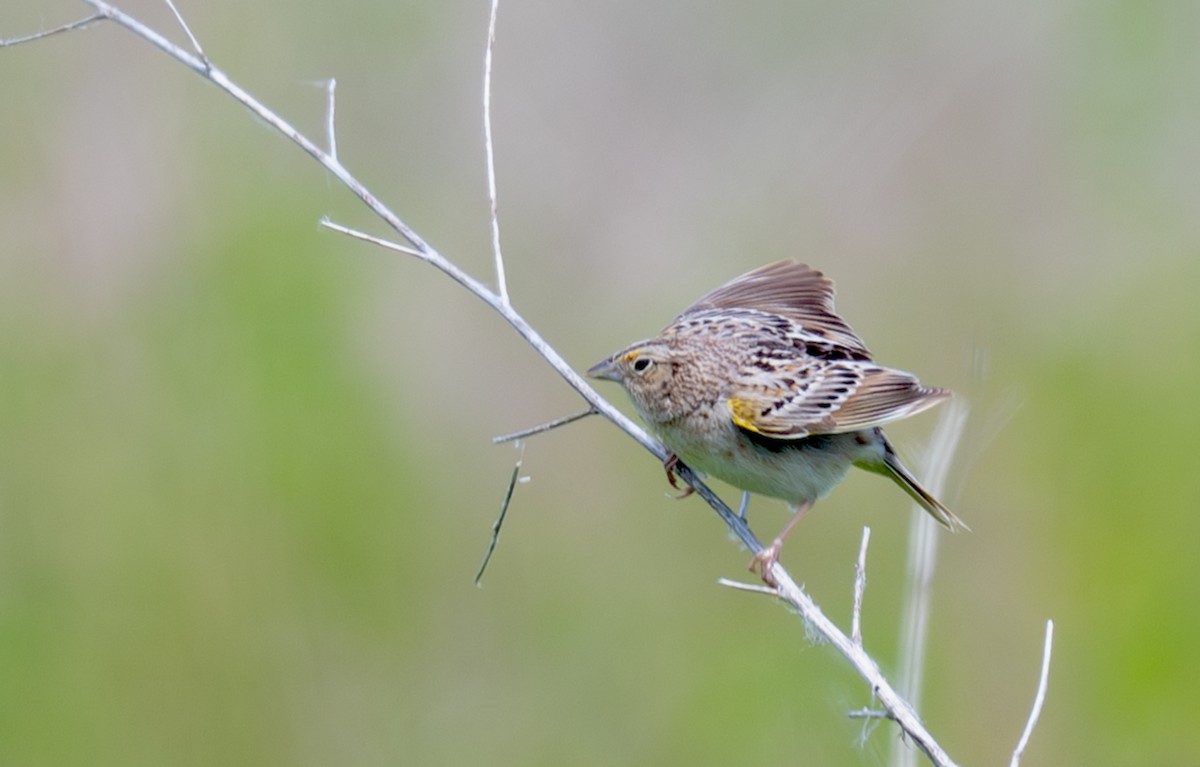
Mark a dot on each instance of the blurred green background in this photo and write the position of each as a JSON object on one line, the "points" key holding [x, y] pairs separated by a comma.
{"points": [[245, 464]]}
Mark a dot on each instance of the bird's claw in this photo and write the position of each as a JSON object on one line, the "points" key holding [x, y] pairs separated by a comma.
{"points": [[762, 562], [670, 464]]}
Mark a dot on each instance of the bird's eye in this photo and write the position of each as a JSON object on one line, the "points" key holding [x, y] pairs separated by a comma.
{"points": [[642, 364]]}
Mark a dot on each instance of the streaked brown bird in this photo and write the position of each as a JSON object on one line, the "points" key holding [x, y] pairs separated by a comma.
{"points": [[761, 384]]}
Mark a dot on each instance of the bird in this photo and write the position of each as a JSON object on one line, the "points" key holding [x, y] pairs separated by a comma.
{"points": [[760, 383]]}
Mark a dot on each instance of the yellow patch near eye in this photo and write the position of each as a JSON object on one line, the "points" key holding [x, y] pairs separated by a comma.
{"points": [[744, 413], [630, 357]]}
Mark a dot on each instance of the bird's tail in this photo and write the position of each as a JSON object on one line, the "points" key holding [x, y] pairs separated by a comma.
{"points": [[892, 468]]}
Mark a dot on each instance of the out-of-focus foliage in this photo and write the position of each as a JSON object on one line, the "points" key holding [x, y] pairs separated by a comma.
{"points": [[245, 469]]}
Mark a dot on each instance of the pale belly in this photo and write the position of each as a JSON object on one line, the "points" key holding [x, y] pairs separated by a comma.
{"points": [[794, 470]]}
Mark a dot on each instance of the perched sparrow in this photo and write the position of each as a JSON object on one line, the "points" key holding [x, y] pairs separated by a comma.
{"points": [[761, 384]]}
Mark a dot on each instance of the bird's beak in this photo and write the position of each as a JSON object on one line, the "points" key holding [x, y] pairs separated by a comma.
{"points": [[606, 369]]}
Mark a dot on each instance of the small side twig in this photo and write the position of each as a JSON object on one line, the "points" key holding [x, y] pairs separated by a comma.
{"points": [[188, 31], [501, 280], [870, 713], [755, 588], [1038, 699], [330, 109], [566, 419], [359, 235], [68, 27], [860, 587], [499, 523]]}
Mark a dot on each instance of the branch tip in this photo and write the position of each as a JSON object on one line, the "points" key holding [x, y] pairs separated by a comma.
{"points": [[489, 152], [508, 494], [519, 435], [68, 27], [360, 235], [860, 588], [331, 107], [1039, 697]]}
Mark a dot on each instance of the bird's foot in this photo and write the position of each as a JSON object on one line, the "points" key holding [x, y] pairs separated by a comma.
{"points": [[670, 464], [764, 560]]}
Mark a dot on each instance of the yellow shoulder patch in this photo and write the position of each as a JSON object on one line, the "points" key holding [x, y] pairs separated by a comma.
{"points": [[744, 413]]}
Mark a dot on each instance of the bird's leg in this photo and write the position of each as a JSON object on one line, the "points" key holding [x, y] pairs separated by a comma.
{"points": [[670, 464], [763, 560], [745, 505]]}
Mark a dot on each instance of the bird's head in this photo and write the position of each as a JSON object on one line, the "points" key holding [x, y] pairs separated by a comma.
{"points": [[651, 371]]}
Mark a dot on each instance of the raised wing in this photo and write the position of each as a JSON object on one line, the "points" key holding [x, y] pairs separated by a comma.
{"points": [[792, 290]]}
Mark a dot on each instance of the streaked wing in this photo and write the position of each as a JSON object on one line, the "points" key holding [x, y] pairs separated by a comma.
{"points": [[792, 290], [827, 397]]}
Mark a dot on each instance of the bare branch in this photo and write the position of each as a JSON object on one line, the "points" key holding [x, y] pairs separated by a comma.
{"points": [[218, 78], [896, 706], [860, 587], [420, 249], [566, 419], [1038, 699], [501, 280], [71, 26]]}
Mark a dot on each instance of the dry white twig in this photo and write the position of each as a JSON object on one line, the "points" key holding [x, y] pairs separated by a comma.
{"points": [[330, 110], [360, 235], [68, 27], [501, 280], [754, 588], [566, 419], [860, 588], [1038, 699], [187, 31]]}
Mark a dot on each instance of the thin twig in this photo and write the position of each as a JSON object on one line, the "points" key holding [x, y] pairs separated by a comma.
{"points": [[755, 588], [188, 31], [566, 419], [360, 235], [501, 280], [869, 713], [1039, 698], [79, 24], [491, 549], [331, 108], [860, 587]]}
